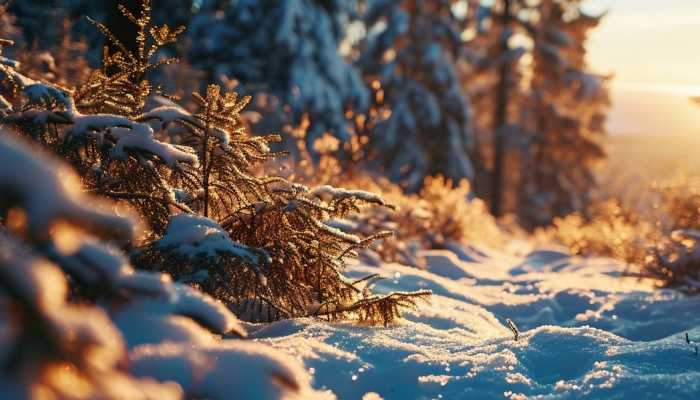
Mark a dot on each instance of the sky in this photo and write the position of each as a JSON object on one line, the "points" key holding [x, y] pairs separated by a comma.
{"points": [[653, 49]]}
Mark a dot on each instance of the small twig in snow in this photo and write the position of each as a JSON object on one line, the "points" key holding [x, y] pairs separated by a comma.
{"points": [[688, 341], [513, 328]]}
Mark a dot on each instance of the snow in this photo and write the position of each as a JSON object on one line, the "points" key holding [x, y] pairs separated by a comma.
{"points": [[38, 181], [231, 370], [329, 193], [584, 332], [140, 136], [127, 133], [130, 135], [168, 114], [192, 235]]}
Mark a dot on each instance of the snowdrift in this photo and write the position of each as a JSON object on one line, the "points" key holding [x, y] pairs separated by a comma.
{"points": [[585, 331]]}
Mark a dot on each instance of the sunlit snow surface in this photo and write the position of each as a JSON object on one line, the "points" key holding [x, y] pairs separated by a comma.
{"points": [[585, 332]]}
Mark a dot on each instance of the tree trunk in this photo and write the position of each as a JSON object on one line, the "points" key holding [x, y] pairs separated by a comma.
{"points": [[501, 118]]}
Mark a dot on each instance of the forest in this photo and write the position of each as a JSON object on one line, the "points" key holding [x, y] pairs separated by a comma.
{"points": [[334, 199]]}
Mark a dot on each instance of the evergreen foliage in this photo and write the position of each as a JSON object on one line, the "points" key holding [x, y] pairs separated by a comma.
{"points": [[73, 308], [541, 133], [289, 50], [568, 116], [420, 123], [167, 161]]}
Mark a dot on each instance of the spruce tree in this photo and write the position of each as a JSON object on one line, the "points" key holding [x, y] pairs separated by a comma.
{"points": [[495, 82], [288, 49], [567, 115], [420, 122], [541, 111]]}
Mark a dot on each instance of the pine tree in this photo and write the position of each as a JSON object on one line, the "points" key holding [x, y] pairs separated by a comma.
{"points": [[567, 115], [266, 242], [494, 79], [420, 123], [288, 49], [541, 112]]}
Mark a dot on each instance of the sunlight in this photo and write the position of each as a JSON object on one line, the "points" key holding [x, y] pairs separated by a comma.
{"points": [[375, 199], [648, 41]]}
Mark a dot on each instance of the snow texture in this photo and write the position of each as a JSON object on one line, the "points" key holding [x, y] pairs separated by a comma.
{"points": [[585, 332], [231, 370], [38, 182], [193, 235]]}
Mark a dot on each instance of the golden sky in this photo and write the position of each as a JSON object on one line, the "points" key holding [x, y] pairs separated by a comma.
{"points": [[649, 41], [653, 49]]}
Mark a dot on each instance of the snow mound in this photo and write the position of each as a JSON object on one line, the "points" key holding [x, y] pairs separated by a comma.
{"points": [[193, 235], [38, 181], [230, 370], [185, 316], [585, 332]]}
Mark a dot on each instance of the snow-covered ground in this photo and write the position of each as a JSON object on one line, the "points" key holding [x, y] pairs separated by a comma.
{"points": [[585, 332]]}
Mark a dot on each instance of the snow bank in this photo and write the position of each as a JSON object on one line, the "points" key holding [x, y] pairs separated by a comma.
{"points": [[585, 332], [230, 370]]}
